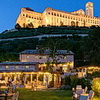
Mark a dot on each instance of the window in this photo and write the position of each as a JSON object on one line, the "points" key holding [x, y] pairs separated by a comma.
{"points": [[49, 13], [44, 57], [66, 16], [27, 67], [7, 67], [58, 15], [27, 57], [54, 14], [40, 57], [65, 57], [27, 15], [17, 67], [36, 57]]}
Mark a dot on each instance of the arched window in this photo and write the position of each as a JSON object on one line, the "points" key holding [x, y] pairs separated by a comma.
{"points": [[26, 15], [54, 14], [58, 15], [76, 23], [72, 23], [84, 23], [61, 23], [24, 25], [49, 13]]}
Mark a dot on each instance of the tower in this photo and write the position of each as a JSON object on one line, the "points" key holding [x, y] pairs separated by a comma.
{"points": [[89, 9]]}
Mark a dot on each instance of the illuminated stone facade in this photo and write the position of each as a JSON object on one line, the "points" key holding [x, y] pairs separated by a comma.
{"points": [[52, 17], [64, 58]]}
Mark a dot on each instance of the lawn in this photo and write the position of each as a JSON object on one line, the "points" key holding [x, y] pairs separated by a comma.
{"points": [[26, 94], [45, 95]]}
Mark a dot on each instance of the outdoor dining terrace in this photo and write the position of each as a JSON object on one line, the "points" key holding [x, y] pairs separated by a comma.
{"points": [[82, 94]]}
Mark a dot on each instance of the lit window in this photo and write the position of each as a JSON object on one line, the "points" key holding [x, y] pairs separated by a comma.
{"points": [[27, 57], [7, 67], [40, 57], [26, 15], [27, 67], [44, 57], [17, 67], [36, 57], [65, 57]]}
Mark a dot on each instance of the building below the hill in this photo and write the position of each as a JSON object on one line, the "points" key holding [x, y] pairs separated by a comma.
{"points": [[37, 66], [51, 17]]}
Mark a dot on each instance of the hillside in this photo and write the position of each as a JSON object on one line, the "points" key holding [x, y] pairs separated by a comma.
{"points": [[43, 30], [86, 52]]}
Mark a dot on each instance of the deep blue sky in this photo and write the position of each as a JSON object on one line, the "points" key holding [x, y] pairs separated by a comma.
{"points": [[9, 9]]}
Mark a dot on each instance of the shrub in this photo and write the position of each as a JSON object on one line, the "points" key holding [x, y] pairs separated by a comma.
{"points": [[96, 86], [67, 80], [72, 81], [96, 74], [65, 87]]}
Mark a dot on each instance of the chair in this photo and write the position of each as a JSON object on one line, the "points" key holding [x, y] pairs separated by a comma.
{"points": [[1, 98], [87, 97], [17, 95], [73, 90], [91, 94], [75, 96], [85, 90], [14, 97], [79, 92]]}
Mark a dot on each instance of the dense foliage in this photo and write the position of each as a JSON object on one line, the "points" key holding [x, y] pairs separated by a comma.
{"points": [[92, 47], [9, 50], [93, 75], [74, 80], [86, 49], [26, 32]]}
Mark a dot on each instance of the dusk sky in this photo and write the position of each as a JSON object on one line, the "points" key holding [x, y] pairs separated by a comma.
{"points": [[9, 9]]}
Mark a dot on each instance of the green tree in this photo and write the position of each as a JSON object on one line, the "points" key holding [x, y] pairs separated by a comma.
{"points": [[92, 47]]}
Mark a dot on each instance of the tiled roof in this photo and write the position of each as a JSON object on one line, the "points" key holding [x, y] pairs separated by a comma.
{"points": [[18, 63], [36, 51]]}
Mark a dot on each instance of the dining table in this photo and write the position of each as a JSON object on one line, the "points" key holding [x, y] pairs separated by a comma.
{"points": [[6, 95]]}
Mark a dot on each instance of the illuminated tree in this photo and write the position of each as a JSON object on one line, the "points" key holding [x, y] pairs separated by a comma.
{"points": [[96, 86]]}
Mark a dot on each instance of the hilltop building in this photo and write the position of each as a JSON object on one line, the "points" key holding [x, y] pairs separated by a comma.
{"points": [[52, 17]]}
